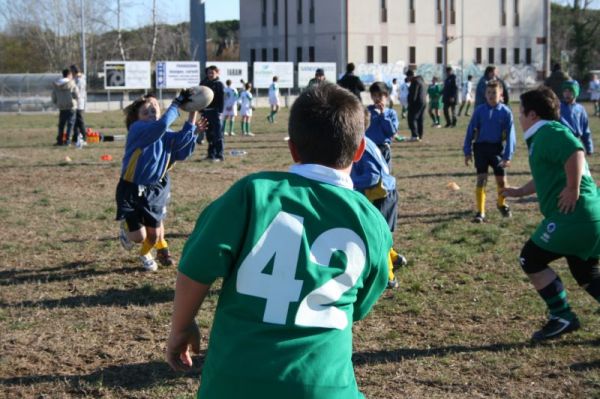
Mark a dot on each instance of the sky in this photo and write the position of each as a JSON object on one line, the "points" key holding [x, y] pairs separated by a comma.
{"points": [[175, 11]]}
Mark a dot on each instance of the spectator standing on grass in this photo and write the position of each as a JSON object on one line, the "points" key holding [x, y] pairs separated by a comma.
{"points": [[352, 82], [65, 96], [80, 82], [246, 108], [491, 140], [213, 114], [556, 80], [575, 116], [230, 102], [467, 95], [403, 96], [383, 121], [570, 203], [450, 97], [394, 92], [273, 99], [434, 91], [491, 73], [302, 256], [417, 101], [594, 90]]}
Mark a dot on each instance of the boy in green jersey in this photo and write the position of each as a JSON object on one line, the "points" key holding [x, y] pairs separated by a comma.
{"points": [[435, 101], [570, 203], [302, 256]]}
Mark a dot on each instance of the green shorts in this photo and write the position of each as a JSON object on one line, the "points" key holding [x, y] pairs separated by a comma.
{"points": [[578, 239]]}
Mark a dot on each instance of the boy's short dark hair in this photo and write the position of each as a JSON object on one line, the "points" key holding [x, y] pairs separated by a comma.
{"points": [[213, 68], [410, 73], [350, 67], [326, 125], [66, 72], [494, 84], [74, 69], [228, 82], [469, 77], [379, 87], [543, 102], [131, 111]]}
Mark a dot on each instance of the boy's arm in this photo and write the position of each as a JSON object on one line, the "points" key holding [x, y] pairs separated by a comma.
{"points": [[567, 199], [185, 333], [468, 144], [511, 139], [152, 132], [390, 124], [365, 173], [526, 189]]}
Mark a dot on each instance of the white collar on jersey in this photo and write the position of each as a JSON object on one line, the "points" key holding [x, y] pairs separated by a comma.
{"points": [[323, 174], [534, 128]]}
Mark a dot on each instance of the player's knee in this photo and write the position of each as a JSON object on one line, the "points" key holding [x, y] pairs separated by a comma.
{"points": [[481, 180], [528, 262]]}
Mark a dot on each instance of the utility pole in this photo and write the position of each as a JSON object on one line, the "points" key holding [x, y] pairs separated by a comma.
{"points": [[462, 41], [198, 31], [83, 54]]}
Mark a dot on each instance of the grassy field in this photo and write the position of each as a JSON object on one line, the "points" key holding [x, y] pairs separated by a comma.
{"points": [[78, 318]]}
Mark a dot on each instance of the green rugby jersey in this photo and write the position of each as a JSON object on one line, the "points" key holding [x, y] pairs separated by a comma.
{"points": [[574, 233], [549, 148], [300, 261]]}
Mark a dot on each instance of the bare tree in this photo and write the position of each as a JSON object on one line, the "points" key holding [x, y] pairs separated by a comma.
{"points": [[154, 31]]}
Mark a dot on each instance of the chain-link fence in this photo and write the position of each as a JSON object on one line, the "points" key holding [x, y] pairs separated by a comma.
{"points": [[26, 92]]}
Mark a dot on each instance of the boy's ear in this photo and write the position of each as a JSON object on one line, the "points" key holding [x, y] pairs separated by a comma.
{"points": [[360, 150], [294, 151]]}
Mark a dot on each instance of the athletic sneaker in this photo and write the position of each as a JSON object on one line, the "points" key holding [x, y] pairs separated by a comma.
{"points": [[479, 218], [505, 211], [400, 261], [148, 263], [249, 134], [393, 284], [555, 327], [126, 243], [164, 257]]}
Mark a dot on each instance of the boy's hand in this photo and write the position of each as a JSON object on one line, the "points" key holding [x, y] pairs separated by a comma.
{"points": [[202, 124], [379, 106], [511, 192], [505, 163], [178, 347], [183, 97], [567, 199], [468, 158]]}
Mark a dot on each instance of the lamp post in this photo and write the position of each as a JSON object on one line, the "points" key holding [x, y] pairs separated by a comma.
{"points": [[198, 31], [83, 54]]}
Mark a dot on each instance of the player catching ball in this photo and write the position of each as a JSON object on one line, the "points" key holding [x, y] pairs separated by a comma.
{"points": [[142, 192], [302, 256], [569, 200]]}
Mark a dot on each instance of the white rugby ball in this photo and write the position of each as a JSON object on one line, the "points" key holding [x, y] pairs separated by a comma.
{"points": [[202, 96]]}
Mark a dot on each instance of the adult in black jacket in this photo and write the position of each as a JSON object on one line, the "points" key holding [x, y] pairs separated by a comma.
{"points": [[417, 102], [352, 82], [450, 97], [214, 134], [491, 73]]}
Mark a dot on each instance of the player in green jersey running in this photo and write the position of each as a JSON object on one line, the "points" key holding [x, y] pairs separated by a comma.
{"points": [[302, 256], [434, 91], [570, 202]]}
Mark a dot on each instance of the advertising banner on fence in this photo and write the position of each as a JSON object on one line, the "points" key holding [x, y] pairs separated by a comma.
{"points": [[234, 71], [177, 74], [126, 75], [306, 71], [370, 73], [264, 72]]}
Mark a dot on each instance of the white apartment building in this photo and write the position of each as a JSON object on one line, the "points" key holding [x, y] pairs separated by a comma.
{"points": [[479, 32]]}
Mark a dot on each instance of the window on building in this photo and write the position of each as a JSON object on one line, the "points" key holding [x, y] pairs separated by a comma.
{"points": [[412, 14], [412, 55], [264, 12], [478, 56], [528, 56], [502, 12], [252, 56], [311, 12], [264, 54], [517, 56], [383, 11], [275, 54], [491, 55], [439, 55], [517, 13], [299, 11], [452, 13], [384, 54], [311, 54], [275, 12], [503, 56], [298, 54], [370, 54], [438, 11]]}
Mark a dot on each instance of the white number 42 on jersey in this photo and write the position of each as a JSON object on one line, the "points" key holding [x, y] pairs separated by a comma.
{"points": [[281, 241]]}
